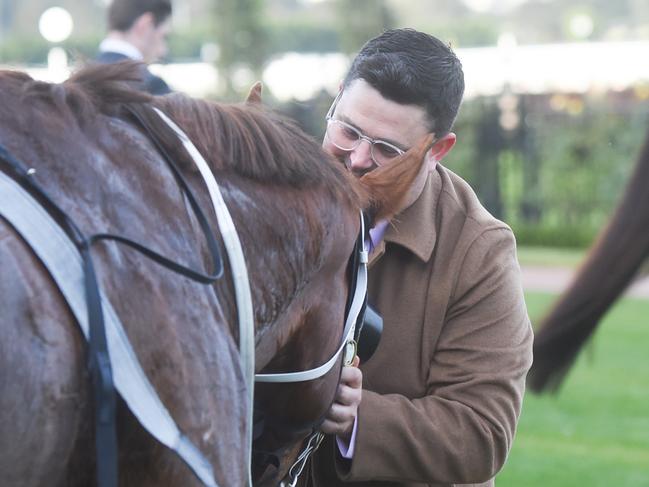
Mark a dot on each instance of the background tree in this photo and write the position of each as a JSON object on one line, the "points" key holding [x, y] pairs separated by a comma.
{"points": [[360, 20], [241, 37]]}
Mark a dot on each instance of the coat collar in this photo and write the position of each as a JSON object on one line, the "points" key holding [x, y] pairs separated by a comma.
{"points": [[414, 227]]}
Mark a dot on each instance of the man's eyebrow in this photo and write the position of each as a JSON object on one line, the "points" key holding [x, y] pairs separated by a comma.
{"points": [[346, 119]]}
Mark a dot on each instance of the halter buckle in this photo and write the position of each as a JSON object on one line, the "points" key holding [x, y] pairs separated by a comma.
{"points": [[350, 352]]}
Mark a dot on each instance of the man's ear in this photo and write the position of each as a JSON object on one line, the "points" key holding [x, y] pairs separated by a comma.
{"points": [[443, 146], [144, 23]]}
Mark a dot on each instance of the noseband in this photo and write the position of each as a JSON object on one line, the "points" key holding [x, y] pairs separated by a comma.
{"points": [[348, 343]]}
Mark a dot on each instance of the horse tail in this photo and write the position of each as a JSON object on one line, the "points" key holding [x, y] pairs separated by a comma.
{"points": [[609, 268]]}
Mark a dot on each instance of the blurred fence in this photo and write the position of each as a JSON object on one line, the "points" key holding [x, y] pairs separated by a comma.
{"points": [[557, 168]]}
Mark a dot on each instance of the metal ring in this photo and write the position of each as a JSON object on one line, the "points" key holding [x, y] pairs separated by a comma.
{"points": [[351, 347]]}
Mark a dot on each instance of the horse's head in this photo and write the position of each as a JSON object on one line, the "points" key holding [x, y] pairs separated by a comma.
{"points": [[311, 330]]}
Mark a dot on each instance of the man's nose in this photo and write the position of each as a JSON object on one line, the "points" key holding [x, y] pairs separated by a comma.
{"points": [[361, 157]]}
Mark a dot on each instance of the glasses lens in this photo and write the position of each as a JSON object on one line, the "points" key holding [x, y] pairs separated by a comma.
{"points": [[342, 135], [383, 152]]}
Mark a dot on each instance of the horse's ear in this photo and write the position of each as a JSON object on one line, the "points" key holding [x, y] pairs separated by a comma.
{"points": [[254, 95], [388, 185]]}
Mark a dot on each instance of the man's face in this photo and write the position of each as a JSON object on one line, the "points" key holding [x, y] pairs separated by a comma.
{"points": [[367, 110], [154, 46]]}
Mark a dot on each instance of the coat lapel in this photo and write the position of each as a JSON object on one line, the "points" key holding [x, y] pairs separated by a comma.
{"points": [[412, 227]]}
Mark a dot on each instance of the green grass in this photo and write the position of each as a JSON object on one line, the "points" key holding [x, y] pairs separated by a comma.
{"points": [[551, 257], [595, 432]]}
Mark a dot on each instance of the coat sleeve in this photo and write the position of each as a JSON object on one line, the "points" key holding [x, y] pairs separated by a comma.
{"points": [[462, 430]]}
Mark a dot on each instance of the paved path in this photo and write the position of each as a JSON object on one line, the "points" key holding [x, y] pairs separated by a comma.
{"points": [[557, 279]]}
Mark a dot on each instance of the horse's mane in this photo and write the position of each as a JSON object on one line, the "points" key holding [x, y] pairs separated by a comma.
{"points": [[247, 139], [609, 268]]}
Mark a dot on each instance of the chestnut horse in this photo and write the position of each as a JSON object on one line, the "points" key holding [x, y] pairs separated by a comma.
{"points": [[296, 211], [612, 263]]}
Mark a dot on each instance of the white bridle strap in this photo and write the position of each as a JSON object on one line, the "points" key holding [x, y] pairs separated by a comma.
{"points": [[239, 274], [348, 332]]}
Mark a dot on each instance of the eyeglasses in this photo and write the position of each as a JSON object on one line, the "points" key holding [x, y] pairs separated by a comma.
{"points": [[347, 137]]}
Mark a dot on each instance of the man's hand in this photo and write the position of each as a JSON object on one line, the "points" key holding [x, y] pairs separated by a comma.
{"points": [[342, 414]]}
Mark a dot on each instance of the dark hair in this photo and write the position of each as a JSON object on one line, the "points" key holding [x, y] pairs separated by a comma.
{"points": [[414, 68], [123, 13]]}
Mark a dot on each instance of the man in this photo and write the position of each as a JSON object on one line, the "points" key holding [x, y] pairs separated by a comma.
{"points": [[138, 30], [438, 402]]}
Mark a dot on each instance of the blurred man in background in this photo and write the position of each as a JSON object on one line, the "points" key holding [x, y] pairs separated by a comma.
{"points": [[138, 30]]}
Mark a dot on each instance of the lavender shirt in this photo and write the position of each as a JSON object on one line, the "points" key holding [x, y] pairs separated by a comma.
{"points": [[376, 234]]}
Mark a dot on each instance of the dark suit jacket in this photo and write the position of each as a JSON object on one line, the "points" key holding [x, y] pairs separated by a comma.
{"points": [[151, 83]]}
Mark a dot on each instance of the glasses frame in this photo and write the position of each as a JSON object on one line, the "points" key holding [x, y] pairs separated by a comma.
{"points": [[361, 136]]}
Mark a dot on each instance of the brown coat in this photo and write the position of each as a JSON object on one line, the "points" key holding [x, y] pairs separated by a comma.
{"points": [[443, 392]]}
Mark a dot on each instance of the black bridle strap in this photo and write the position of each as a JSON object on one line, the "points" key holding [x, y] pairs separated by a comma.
{"points": [[24, 176], [101, 372]]}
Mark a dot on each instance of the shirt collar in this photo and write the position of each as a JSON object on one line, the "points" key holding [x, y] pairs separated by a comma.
{"points": [[120, 46]]}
